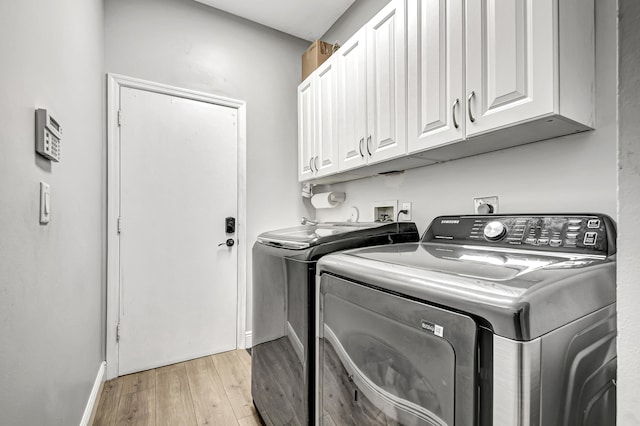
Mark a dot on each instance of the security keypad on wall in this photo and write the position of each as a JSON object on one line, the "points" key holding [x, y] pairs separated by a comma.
{"points": [[48, 135]]}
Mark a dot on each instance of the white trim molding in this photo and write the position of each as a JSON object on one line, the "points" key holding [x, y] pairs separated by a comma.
{"points": [[295, 342], [114, 83], [247, 340], [93, 397]]}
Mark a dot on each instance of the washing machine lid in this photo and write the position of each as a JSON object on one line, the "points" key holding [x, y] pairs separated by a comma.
{"points": [[513, 269], [520, 292], [306, 236]]}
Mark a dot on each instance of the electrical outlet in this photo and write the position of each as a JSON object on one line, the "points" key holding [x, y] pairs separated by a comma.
{"points": [[485, 205], [405, 216]]}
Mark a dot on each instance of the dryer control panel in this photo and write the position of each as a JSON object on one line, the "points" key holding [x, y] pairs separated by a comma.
{"points": [[580, 233]]}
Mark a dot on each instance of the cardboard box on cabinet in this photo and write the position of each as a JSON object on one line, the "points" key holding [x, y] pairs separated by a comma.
{"points": [[314, 56]]}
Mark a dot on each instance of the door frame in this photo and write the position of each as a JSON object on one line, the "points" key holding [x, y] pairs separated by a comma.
{"points": [[114, 83]]}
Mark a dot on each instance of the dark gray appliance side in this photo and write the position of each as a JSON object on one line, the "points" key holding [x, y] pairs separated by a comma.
{"points": [[283, 352]]}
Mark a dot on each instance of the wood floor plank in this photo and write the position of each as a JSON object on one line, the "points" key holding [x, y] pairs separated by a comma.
{"points": [[214, 390], [210, 402], [173, 401], [137, 408], [236, 381], [108, 405], [253, 420], [276, 383], [245, 358], [327, 420], [136, 382]]}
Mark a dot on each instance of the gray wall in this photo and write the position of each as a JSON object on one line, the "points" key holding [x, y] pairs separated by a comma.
{"points": [[190, 45], [629, 215], [568, 174], [51, 277], [360, 12]]}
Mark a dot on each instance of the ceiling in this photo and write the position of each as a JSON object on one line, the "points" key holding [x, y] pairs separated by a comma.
{"points": [[306, 19]]}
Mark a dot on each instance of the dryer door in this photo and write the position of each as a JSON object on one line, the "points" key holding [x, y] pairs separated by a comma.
{"points": [[386, 360]]}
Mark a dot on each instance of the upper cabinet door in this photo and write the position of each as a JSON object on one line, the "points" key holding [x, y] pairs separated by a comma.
{"points": [[436, 114], [306, 111], [510, 62], [386, 82], [326, 143], [352, 101]]}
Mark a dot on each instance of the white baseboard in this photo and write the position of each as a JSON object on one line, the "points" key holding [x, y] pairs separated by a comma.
{"points": [[94, 395], [295, 342], [247, 339]]}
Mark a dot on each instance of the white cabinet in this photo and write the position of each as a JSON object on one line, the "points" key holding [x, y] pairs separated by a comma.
{"points": [[326, 146], [527, 74], [435, 73], [352, 101], [386, 82], [306, 130], [317, 123], [510, 62], [526, 60], [426, 81], [372, 90]]}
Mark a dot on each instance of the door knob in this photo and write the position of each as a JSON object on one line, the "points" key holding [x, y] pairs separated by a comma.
{"points": [[229, 243]]}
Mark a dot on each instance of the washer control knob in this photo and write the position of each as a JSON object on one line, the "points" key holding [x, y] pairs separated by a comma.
{"points": [[495, 231]]}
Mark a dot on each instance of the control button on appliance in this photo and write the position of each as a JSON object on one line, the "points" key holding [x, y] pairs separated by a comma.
{"points": [[573, 228], [543, 241], [530, 241], [495, 231], [575, 221], [590, 238], [572, 235], [593, 223], [570, 243], [554, 242]]}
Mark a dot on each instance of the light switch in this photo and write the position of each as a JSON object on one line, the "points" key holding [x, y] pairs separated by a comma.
{"points": [[45, 203]]}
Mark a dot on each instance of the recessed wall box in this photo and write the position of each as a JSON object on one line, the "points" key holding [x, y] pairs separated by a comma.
{"points": [[485, 205], [385, 211], [48, 135]]}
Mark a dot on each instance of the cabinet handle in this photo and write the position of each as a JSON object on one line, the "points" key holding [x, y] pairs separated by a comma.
{"points": [[311, 164], [360, 147], [471, 95], [453, 113], [368, 143], [315, 162]]}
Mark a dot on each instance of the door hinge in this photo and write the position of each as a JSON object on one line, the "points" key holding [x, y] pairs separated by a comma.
{"points": [[118, 332], [119, 225], [119, 117]]}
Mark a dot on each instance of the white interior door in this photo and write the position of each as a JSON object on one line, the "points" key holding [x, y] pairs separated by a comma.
{"points": [[178, 183]]}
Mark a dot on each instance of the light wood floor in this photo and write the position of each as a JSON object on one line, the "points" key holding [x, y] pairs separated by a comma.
{"points": [[214, 390]]}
